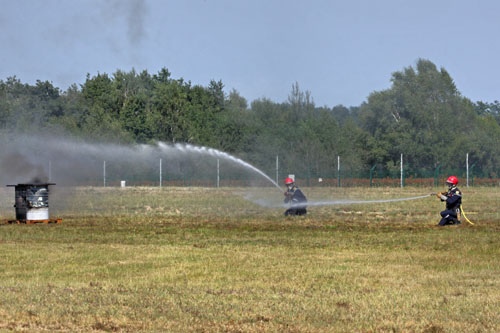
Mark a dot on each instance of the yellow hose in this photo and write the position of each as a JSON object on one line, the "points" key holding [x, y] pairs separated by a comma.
{"points": [[463, 214]]}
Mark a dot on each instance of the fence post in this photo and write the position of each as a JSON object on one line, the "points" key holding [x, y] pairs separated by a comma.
{"points": [[160, 173], [218, 174], [277, 170], [402, 176], [338, 170], [371, 174], [104, 173], [467, 167]]}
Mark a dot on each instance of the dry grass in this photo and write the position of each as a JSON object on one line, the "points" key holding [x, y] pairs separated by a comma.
{"points": [[193, 259]]}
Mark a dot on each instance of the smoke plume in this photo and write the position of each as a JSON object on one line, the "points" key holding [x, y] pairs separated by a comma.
{"points": [[18, 168], [136, 18]]}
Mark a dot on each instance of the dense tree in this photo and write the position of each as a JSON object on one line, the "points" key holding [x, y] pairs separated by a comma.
{"points": [[5, 108], [492, 109], [422, 115], [169, 103]]}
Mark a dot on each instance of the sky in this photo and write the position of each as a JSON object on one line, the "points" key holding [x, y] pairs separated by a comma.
{"points": [[340, 51]]}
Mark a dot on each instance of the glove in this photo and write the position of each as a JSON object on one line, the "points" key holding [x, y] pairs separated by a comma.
{"points": [[442, 195]]}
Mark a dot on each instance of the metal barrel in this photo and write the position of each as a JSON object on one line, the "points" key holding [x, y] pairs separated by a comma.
{"points": [[32, 201]]}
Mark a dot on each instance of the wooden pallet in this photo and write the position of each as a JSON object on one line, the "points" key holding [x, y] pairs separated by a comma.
{"points": [[34, 221]]}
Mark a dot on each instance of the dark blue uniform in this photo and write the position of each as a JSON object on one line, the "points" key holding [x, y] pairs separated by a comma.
{"points": [[453, 202], [297, 199]]}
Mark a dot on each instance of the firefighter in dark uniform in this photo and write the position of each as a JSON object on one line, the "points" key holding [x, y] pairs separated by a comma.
{"points": [[294, 197], [453, 198]]}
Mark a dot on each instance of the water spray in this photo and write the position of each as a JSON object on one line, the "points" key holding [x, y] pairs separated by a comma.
{"points": [[70, 159], [216, 153]]}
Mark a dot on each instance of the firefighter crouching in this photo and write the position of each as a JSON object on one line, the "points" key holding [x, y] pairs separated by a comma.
{"points": [[453, 198], [295, 197]]}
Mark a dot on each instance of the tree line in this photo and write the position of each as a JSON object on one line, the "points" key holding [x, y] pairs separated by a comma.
{"points": [[422, 115]]}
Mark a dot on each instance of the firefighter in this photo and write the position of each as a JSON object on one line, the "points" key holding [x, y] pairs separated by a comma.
{"points": [[453, 198], [295, 197]]}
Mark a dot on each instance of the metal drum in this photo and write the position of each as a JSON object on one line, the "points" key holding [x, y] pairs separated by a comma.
{"points": [[32, 201]]}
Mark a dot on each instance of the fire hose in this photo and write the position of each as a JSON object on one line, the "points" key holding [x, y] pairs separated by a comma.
{"points": [[463, 214]]}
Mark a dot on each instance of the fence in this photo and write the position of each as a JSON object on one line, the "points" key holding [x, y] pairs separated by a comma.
{"points": [[216, 172]]}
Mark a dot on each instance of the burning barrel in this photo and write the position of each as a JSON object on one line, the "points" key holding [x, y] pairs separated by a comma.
{"points": [[32, 203]]}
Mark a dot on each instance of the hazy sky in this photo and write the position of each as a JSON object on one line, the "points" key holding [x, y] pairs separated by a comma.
{"points": [[340, 51]]}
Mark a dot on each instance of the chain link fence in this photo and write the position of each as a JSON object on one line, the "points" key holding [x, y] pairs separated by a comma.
{"points": [[223, 173]]}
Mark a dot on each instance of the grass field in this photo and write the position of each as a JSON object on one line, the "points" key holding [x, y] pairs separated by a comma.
{"points": [[206, 260]]}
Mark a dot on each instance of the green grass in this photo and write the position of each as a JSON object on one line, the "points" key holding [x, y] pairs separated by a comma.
{"points": [[193, 259]]}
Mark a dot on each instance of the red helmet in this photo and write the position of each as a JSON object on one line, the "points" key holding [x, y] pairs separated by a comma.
{"points": [[289, 181], [452, 180]]}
